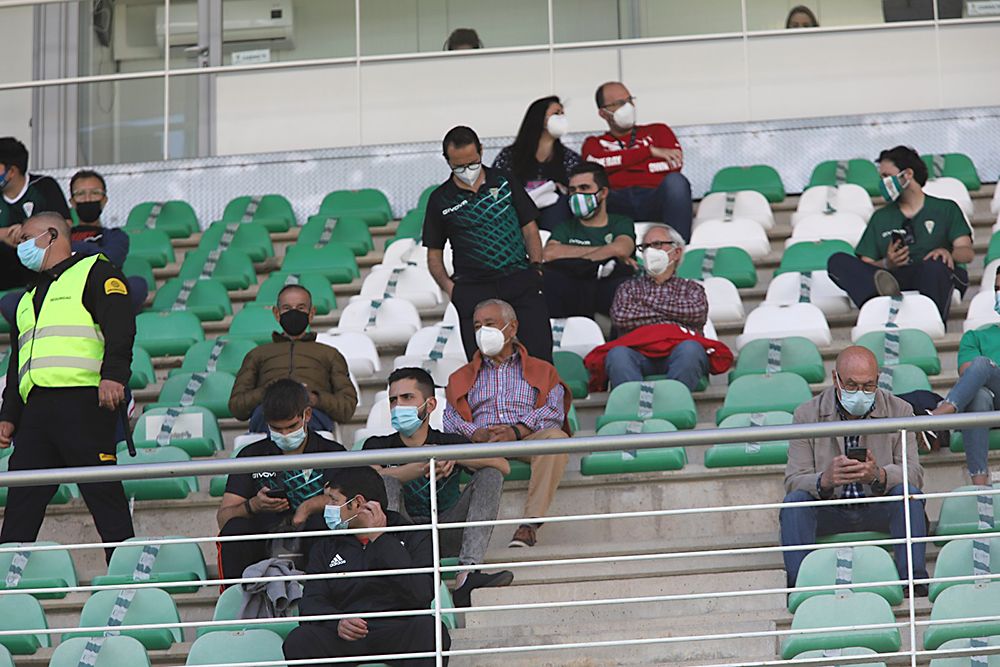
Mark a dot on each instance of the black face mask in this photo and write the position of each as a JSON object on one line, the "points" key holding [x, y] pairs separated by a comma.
{"points": [[294, 322], [89, 212]]}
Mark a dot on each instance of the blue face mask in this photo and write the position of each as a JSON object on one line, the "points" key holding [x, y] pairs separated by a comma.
{"points": [[857, 403], [288, 442], [996, 303], [331, 515], [406, 418], [4, 179], [30, 255]]}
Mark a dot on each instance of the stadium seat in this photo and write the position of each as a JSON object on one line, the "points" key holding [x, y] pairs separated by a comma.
{"points": [[358, 349], [162, 334], [116, 651], [45, 569], [958, 442], [960, 515], [64, 494], [396, 320], [351, 232], [411, 251], [904, 378], [916, 312], [165, 488], [256, 323], [782, 392], [230, 359], [852, 651], [642, 460], [195, 430], [953, 189], [368, 204], [966, 659], [671, 402], [981, 311], [319, 287], [955, 165], [251, 238], [240, 646], [208, 299], [139, 268], [841, 226], [724, 303], [955, 560], [842, 609], [174, 563], [778, 321], [811, 256], [440, 369], [738, 232], [963, 601], [733, 264], [748, 204], [411, 225], [870, 565], [379, 420], [990, 273], [785, 289], [573, 373], [846, 198], [149, 606], [762, 178], [798, 355], [738, 454], [227, 608], [334, 262], [915, 347], [413, 283], [213, 393], [143, 373], [421, 345], [19, 611], [176, 218], [151, 245], [578, 334], [273, 211], [425, 196], [234, 269], [858, 172]]}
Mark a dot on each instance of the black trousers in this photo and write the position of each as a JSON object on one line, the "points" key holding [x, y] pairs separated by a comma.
{"points": [[234, 557], [522, 290], [572, 288], [65, 428], [412, 634]]}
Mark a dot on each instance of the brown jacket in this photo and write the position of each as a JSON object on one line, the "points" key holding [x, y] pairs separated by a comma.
{"points": [[320, 367], [807, 459]]}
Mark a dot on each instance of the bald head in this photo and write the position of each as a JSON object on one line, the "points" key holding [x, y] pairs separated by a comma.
{"points": [[50, 231], [40, 222], [857, 365]]}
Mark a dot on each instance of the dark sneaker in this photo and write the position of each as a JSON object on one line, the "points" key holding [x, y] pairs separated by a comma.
{"points": [[524, 536], [919, 590], [886, 284], [462, 596]]}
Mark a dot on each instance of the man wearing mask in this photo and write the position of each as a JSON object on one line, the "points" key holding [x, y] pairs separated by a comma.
{"points": [[504, 395], [644, 163], [589, 256], [915, 242], [866, 466], [294, 353], [411, 402], [490, 221], [268, 501]]}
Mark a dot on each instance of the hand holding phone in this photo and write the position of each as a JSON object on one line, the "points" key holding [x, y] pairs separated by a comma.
{"points": [[859, 454], [277, 493]]}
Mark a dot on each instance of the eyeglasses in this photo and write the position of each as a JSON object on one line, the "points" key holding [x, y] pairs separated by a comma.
{"points": [[618, 104], [868, 388], [658, 245], [80, 194], [462, 169]]}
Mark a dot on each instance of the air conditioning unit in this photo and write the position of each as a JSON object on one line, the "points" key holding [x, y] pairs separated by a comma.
{"points": [[242, 21]]}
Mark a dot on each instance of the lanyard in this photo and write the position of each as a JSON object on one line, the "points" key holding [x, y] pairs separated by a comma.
{"points": [[631, 140]]}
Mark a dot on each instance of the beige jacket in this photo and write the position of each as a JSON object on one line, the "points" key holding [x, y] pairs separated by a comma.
{"points": [[807, 459]]}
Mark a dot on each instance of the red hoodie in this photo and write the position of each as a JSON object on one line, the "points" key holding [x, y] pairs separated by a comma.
{"points": [[628, 160]]}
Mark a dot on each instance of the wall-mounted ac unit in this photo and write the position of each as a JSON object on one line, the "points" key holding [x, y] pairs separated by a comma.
{"points": [[242, 21]]}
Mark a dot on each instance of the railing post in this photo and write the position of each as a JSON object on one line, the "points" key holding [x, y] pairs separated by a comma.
{"points": [[909, 550], [436, 546]]}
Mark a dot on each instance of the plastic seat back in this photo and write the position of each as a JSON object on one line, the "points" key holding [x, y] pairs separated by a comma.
{"points": [[274, 211], [149, 606], [964, 601], [786, 289], [915, 347], [751, 453], [358, 349], [116, 651], [748, 204], [411, 226], [195, 430], [151, 245], [916, 312], [413, 283], [336, 263], [177, 218], [45, 569], [227, 608], [396, 320], [208, 299], [965, 660], [956, 560], [23, 612], [811, 256], [213, 393], [824, 611], [234, 269], [572, 372], [733, 264], [164, 488], [369, 204], [352, 232], [847, 197], [174, 562], [761, 177], [981, 311], [143, 373], [642, 460], [869, 565], [960, 514], [137, 267], [671, 402], [254, 322], [904, 378], [852, 651], [738, 232], [230, 359], [859, 172], [776, 321], [167, 333], [953, 165], [798, 355], [782, 392], [576, 334], [843, 225], [251, 238], [319, 288], [423, 342]]}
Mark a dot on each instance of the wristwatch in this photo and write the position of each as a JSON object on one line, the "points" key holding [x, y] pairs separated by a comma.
{"points": [[878, 486]]}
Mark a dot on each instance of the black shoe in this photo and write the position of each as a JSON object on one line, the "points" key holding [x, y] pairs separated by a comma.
{"points": [[462, 596], [919, 591]]}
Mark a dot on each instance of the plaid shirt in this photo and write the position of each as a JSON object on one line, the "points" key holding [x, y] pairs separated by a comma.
{"points": [[641, 301], [501, 395]]}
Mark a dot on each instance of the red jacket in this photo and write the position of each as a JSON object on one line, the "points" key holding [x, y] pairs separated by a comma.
{"points": [[628, 160], [656, 341]]}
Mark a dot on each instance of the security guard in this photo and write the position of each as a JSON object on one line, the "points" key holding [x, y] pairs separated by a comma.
{"points": [[71, 353]]}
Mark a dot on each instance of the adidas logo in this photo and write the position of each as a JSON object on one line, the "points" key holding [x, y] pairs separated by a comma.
{"points": [[337, 561]]}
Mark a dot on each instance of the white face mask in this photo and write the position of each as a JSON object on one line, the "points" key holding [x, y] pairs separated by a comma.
{"points": [[656, 261], [490, 340], [470, 174], [624, 117], [557, 125]]}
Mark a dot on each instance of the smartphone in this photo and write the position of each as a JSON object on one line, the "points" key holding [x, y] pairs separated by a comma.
{"points": [[898, 238], [276, 493], [857, 453]]}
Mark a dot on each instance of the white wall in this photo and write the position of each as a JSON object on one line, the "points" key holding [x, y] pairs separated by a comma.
{"points": [[17, 36]]}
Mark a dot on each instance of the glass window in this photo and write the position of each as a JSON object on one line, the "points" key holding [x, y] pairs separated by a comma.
{"points": [[805, 14], [673, 18]]}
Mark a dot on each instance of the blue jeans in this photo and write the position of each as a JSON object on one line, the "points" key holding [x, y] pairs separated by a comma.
{"points": [[669, 202], [801, 525], [687, 363], [320, 421], [976, 391]]}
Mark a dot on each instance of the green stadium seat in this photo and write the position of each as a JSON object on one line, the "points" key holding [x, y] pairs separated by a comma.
{"points": [[116, 651], [64, 494], [425, 195], [860, 536], [152, 245], [234, 269], [4, 324], [174, 563], [213, 394], [761, 177], [143, 373], [957, 444], [954, 560], [352, 232], [273, 211], [19, 611], [859, 172], [149, 606], [915, 347], [854, 650], [208, 299], [255, 323], [369, 204], [963, 601], [5, 658], [798, 355], [811, 255], [240, 646], [956, 165], [572, 419], [411, 226], [230, 359], [960, 514], [571, 370], [45, 569], [824, 611], [227, 608], [333, 262], [140, 268], [164, 488], [740, 454], [176, 218], [319, 287], [907, 378], [252, 238], [966, 660], [195, 430], [519, 472], [764, 393], [993, 251], [734, 264], [642, 460], [871, 564], [162, 334], [671, 401]]}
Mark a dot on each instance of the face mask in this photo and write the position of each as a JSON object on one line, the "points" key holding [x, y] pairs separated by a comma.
{"points": [[331, 515], [624, 116], [406, 418], [31, 255], [892, 187], [288, 442], [557, 125], [490, 340], [4, 179], [996, 303], [294, 322], [857, 403], [656, 261], [89, 212], [584, 205], [470, 174]]}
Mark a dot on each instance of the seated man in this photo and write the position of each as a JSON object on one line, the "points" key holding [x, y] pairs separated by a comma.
{"points": [[271, 501], [913, 243], [356, 498], [644, 163], [864, 466], [658, 296], [295, 354], [503, 395], [411, 402], [588, 256]]}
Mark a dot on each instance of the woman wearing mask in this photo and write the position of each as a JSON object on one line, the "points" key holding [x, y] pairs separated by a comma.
{"points": [[540, 162]]}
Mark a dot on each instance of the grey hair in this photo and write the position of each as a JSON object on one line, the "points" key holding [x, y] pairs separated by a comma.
{"points": [[506, 309], [675, 236]]}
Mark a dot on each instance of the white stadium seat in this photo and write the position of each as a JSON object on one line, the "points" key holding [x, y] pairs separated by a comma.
{"points": [[358, 349], [738, 232], [981, 310], [709, 330], [419, 348], [396, 320], [824, 293], [847, 198], [450, 315], [828, 227], [724, 302], [412, 250], [774, 321], [440, 370], [413, 283], [749, 204], [916, 312], [580, 335], [995, 202], [947, 187], [990, 274], [380, 421]]}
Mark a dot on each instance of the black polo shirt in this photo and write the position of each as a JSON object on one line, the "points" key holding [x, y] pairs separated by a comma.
{"points": [[484, 227]]}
